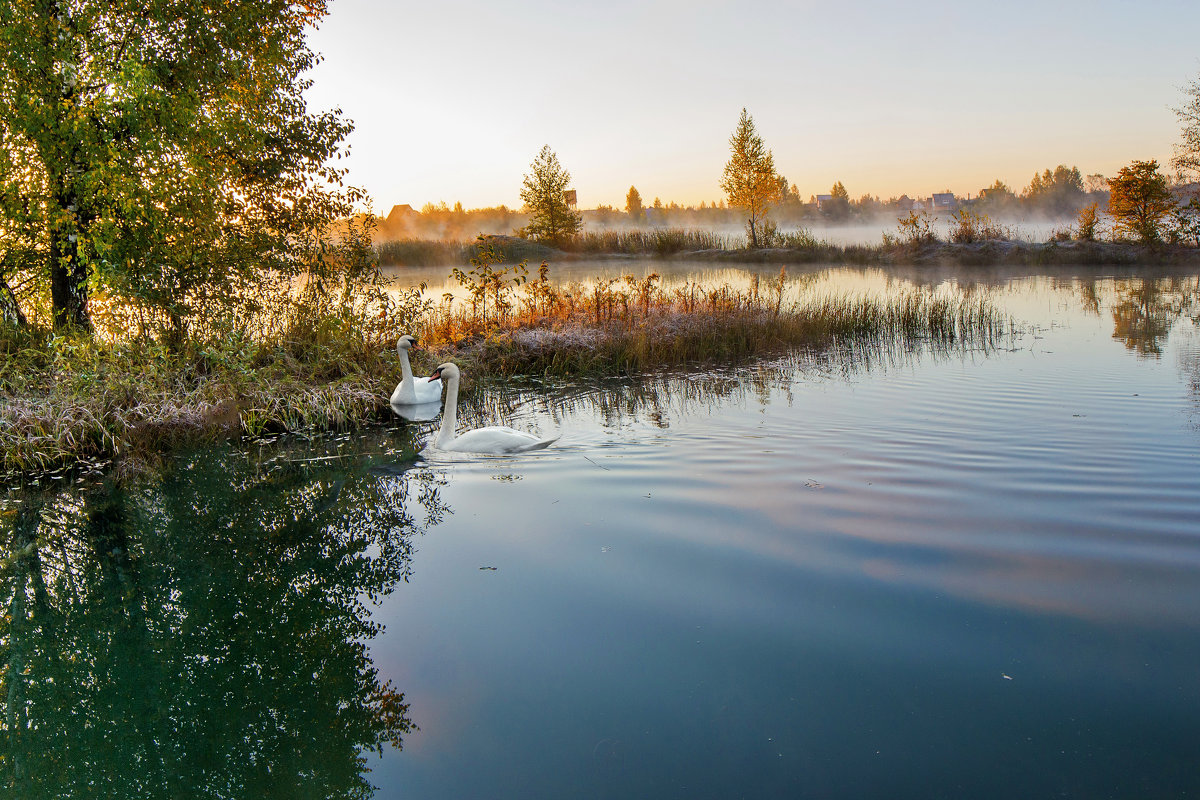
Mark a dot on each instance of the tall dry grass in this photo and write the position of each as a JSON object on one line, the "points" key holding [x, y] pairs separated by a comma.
{"points": [[633, 324]]}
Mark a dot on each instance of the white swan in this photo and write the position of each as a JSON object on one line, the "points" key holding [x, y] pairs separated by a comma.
{"points": [[492, 439], [409, 392]]}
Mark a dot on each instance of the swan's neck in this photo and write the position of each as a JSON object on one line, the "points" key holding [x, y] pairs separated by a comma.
{"points": [[405, 368], [449, 413]]}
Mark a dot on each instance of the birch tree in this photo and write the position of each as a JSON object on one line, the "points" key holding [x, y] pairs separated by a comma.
{"points": [[749, 180]]}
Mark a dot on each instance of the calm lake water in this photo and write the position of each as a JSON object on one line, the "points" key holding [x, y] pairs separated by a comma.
{"points": [[972, 573]]}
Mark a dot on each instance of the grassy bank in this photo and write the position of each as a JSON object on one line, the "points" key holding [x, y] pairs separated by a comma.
{"points": [[71, 399], [66, 401], [633, 325]]}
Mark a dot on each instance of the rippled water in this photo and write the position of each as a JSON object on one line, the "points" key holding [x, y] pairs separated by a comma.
{"points": [[954, 574]]}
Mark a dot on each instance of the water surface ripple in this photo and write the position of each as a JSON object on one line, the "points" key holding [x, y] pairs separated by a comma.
{"points": [[923, 575]]}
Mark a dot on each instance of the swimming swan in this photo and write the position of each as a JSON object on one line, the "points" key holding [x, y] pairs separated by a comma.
{"points": [[492, 439], [408, 392]]}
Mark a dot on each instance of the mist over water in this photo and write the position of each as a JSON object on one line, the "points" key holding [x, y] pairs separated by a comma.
{"points": [[871, 232]]}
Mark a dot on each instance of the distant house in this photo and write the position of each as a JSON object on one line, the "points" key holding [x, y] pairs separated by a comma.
{"points": [[397, 222], [400, 215], [822, 199], [944, 201]]}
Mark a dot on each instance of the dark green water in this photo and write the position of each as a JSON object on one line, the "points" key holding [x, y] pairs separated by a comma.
{"points": [[953, 574]]}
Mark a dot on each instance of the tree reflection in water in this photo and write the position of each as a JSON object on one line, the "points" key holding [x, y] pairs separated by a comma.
{"points": [[1145, 311], [205, 635]]}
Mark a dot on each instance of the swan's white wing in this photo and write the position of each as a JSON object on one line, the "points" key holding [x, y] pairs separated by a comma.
{"points": [[538, 445], [496, 439], [421, 391], [403, 394], [429, 391]]}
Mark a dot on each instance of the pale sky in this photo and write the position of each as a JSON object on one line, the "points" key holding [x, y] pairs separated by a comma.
{"points": [[452, 100]]}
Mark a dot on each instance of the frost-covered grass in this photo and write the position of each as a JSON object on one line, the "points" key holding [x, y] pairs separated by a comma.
{"points": [[632, 324], [71, 399]]}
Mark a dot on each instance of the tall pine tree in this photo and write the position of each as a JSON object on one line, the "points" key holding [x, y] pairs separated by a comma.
{"points": [[544, 190]]}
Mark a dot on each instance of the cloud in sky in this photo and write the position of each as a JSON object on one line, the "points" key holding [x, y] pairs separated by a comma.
{"points": [[452, 101]]}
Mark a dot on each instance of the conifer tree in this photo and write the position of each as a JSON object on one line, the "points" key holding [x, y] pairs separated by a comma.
{"points": [[544, 193], [633, 205]]}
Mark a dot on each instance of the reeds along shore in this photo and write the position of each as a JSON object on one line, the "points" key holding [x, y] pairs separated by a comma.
{"points": [[633, 324], [66, 400], [970, 240]]}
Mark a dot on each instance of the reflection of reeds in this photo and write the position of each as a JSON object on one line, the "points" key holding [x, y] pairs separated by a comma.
{"points": [[659, 397]]}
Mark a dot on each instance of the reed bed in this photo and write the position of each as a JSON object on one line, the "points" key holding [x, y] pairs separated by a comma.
{"points": [[633, 324], [439, 253], [657, 242], [66, 401]]}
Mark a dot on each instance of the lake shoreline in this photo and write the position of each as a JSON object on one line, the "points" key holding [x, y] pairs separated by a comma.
{"points": [[672, 246], [85, 403]]}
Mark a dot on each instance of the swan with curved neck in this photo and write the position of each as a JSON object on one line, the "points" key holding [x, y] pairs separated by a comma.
{"points": [[494, 439], [410, 392]]}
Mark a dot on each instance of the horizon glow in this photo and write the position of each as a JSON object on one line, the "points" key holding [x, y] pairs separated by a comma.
{"points": [[452, 102]]}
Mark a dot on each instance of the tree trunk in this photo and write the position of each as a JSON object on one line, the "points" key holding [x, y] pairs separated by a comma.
{"points": [[68, 275], [10, 309]]}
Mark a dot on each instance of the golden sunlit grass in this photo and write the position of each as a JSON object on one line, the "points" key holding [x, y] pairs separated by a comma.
{"points": [[626, 325], [66, 400]]}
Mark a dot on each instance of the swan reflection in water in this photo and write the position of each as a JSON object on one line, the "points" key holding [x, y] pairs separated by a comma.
{"points": [[418, 412]]}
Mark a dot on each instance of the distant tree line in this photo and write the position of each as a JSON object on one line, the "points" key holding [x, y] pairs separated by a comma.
{"points": [[1144, 204]]}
